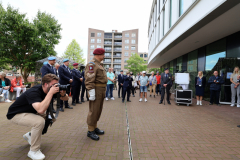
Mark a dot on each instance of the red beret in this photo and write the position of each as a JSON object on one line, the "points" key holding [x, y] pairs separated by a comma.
{"points": [[99, 51], [75, 64]]}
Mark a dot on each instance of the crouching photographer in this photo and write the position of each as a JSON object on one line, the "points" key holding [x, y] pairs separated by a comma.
{"points": [[30, 110]]}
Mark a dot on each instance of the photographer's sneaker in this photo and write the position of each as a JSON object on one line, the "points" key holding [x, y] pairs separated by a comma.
{"points": [[8, 101], [145, 99], [232, 105], [36, 155], [112, 98], [140, 100], [1, 95], [27, 137], [106, 99], [238, 105]]}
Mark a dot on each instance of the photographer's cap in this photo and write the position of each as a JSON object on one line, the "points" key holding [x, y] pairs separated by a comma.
{"points": [[165, 69], [51, 58], [144, 72], [121, 71], [45, 63], [65, 60]]}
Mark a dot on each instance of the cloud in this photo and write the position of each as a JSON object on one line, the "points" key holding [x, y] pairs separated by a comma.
{"points": [[76, 16]]}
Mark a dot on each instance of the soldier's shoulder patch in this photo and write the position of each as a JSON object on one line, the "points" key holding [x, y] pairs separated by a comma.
{"points": [[91, 69]]}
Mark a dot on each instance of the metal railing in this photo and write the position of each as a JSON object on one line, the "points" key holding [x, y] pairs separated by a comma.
{"points": [[117, 43], [107, 42], [117, 56], [107, 36], [108, 49], [107, 62], [117, 49], [116, 62], [117, 36]]}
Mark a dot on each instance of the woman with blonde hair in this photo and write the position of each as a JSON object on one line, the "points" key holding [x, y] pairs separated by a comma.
{"points": [[235, 86], [5, 85], [200, 83]]}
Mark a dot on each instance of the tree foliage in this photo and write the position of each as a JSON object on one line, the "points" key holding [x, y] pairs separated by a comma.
{"points": [[23, 42], [136, 64], [74, 52], [154, 70]]}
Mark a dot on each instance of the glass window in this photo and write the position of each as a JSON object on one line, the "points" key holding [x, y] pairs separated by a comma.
{"points": [[184, 5], [145, 55], [125, 66], [98, 40], [126, 47], [92, 40], [133, 41], [126, 54], [192, 61], [92, 34], [127, 41], [170, 13], [126, 34], [171, 67], [133, 48], [125, 60], [141, 55], [92, 46], [98, 46], [214, 52], [163, 20], [91, 53], [133, 34], [132, 54], [99, 34], [91, 58], [179, 64]]}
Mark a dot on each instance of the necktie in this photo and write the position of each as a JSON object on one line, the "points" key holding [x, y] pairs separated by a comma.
{"points": [[166, 75]]}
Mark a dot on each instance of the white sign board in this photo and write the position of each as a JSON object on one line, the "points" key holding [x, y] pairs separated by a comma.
{"points": [[182, 78]]}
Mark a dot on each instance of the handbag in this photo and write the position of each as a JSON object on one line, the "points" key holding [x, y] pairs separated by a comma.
{"points": [[151, 81]]}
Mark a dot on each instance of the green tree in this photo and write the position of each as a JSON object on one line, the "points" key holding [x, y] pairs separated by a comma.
{"points": [[23, 42], [74, 52], [4, 65], [154, 70], [136, 64]]}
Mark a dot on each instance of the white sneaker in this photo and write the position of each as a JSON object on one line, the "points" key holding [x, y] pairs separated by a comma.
{"points": [[36, 155], [238, 105], [200, 103], [145, 99], [1, 95], [232, 105], [8, 101], [112, 98], [27, 137], [106, 99], [140, 100]]}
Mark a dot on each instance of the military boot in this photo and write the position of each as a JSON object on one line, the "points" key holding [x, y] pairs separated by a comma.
{"points": [[93, 135]]}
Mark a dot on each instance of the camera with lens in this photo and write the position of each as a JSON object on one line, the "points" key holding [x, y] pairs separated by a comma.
{"points": [[63, 87]]}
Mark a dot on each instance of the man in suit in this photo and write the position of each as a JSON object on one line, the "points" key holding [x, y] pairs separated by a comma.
{"points": [[76, 85], [65, 76], [120, 82], [127, 84], [48, 68], [83, 88], [166, 81]]}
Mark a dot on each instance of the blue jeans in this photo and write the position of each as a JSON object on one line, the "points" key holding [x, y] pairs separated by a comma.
{"points": [[158, 89], [109, 88], [143, 88], [4, 92]]}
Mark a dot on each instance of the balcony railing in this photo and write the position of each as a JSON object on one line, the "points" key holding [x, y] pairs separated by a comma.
{"points": [[107, 36], [117, 43], [117, 36], [107, 62], [117, 56], [117, 49], [108, 49], [117, 62], [110, 43], [108, 56]]}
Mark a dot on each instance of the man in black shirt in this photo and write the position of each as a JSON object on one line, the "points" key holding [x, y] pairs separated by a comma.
{"points": [[30, 109]]}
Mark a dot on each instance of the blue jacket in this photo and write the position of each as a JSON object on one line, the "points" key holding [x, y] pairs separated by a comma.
{"points": [[82, 74], [120, 79], [127, 81], [215, 86], [76, 77], [47, 69], [64, 75]]}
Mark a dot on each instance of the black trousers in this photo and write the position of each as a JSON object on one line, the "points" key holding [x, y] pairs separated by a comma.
{"points": [[119, 90], [163, 92], [65, 102], [214, 94], [133, 90], [83, 90], [126, 90], [75, 93]]}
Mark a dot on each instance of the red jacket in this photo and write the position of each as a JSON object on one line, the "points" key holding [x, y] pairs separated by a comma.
{"points": [[14, 84], [158, 79]]}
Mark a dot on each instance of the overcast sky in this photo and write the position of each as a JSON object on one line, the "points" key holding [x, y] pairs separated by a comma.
{"points": [[76, 16]]}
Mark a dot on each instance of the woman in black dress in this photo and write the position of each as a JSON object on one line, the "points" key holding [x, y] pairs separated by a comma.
{"points": [[200, 83]]}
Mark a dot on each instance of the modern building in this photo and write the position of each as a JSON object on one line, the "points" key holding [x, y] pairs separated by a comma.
{"points": [[118, 46], [195, 35], [144, 55]]}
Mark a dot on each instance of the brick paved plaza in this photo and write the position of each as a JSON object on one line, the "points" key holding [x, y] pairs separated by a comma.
{"points": [[157, 132]]}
